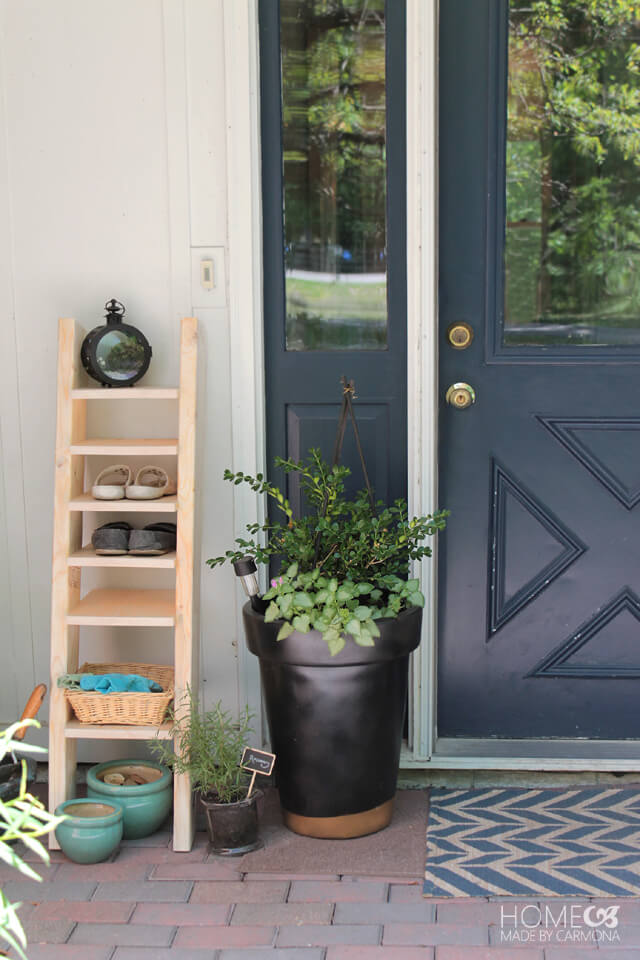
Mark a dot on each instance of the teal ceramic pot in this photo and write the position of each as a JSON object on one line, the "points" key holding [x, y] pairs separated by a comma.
{"points": [[92, 831], [145, 804]]}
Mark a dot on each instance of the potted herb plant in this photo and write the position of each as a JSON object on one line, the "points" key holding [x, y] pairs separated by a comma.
{"points": [[334, 638], [207, 745]]}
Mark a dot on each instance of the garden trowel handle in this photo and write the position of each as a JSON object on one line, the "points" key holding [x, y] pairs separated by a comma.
{"points": [[33, 705]]}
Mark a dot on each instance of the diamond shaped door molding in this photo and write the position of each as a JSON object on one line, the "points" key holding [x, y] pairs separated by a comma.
{"points": [[558, 662], [503, 607], [566, 430]]}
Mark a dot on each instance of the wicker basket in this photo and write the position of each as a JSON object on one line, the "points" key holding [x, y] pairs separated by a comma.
{"points": [[125, 708]]}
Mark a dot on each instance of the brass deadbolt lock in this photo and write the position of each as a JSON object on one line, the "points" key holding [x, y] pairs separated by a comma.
{"points": [[460, 335], [460, 395]]}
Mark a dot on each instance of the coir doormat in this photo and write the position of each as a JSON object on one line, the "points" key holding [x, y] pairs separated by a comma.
{"points": [[517, 842]]}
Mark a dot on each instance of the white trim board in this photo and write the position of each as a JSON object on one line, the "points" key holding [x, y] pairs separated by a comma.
{"points": [[538, 755], [244, 190], [422, 353]]}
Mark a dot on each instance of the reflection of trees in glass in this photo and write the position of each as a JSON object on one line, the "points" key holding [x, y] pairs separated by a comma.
{"points": [[333, 78], [573, 161], [126, 356]]}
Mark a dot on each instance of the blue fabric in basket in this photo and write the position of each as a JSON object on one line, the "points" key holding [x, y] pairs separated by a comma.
{"points": [[118, 683]]}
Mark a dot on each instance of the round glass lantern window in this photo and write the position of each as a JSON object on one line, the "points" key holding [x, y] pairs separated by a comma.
{"points": [[119, 355]]}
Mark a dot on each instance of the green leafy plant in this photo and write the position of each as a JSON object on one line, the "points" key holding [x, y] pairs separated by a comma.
{"points": [[346, 561], [23, 818], [207, 745]]}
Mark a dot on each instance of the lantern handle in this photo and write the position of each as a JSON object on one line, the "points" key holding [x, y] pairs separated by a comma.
{"points": [[115, 311]]}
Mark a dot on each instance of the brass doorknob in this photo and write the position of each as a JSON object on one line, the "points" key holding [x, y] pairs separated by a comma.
{"points": [[460, 395]]}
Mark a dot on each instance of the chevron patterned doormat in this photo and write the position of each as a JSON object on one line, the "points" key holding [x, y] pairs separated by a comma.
{"points": [[515, 842]]}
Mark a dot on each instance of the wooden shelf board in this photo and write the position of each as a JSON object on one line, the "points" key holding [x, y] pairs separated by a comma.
{"points": [[114, 731], [87, 557], [125, 446], [124, 608], [125, 393], [89, 504]]}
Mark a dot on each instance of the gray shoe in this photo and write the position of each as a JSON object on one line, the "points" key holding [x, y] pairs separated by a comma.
{"points": [[111, 539], [155, 539]]}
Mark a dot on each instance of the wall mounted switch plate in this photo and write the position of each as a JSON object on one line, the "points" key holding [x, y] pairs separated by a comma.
{"points": [[208, 278]]}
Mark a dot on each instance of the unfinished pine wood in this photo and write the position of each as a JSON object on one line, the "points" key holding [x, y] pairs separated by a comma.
{"points": [[117, 607], [74, 730], [125, 393], [184, 826], [125, 446], [67, 537], [87, 557], [88, 504], [124, 608]]}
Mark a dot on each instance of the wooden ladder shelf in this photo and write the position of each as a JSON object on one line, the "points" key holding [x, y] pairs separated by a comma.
{"points": [[70, 609]]}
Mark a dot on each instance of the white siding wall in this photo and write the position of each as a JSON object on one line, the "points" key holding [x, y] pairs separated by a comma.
{"points": [[112, 175]]}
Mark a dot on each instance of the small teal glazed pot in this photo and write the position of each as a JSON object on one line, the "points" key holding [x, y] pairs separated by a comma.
{"points": [[145, 805], [92, 830]]}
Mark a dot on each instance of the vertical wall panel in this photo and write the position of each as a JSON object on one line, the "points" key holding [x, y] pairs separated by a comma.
{"points": [[107, 200]]}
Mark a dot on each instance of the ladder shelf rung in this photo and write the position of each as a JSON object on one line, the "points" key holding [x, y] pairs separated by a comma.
{"points": [[125, 446], [87, 557], [76, 730], [89, 504], [125, 393], [124, 608]]}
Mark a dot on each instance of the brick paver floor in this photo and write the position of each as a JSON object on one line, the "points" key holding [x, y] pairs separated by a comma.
{"points": [[150, 903]]}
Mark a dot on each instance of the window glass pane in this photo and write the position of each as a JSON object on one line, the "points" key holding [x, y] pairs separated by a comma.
{"points": [[333, 116], [572, 246]]}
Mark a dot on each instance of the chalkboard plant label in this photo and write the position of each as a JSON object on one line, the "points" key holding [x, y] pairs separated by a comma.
{"points": [[257, 761]]}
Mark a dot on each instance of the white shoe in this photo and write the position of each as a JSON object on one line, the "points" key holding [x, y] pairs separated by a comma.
{"points": [[150, 483], [111, 482]]}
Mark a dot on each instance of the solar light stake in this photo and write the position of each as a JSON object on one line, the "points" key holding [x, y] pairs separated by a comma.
{"points": [[246, 571]]}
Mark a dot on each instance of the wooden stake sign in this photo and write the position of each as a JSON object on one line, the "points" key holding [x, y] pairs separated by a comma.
{"points": [[257, 761]]}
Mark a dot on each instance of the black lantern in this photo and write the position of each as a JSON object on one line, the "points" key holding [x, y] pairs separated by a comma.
{"points": [[117, 354]]}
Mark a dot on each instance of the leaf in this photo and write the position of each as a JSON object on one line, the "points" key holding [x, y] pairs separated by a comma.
{"points": [[272, 612], [301, 623], [285, 630], [362, 613], [335, 641], [292, 571], [364, 640], [364, 588], [416, 599], [285, 602], [345, 592], [353, 627], [303, 600]]}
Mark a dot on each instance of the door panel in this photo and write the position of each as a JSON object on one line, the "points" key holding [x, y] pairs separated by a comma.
{"points": [[539, 633], [334, 272]]}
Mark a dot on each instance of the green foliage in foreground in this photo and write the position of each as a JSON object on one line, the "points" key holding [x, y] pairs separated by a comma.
{"points": [[23, 818], [347, 564], [207, 745]]}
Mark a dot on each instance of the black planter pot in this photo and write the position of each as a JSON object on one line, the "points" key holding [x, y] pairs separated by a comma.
{"points": [[336, 722], [232, 827], [10, 774]]}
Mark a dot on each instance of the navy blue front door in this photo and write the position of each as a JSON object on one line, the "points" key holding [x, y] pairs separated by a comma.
{"points": [[539, 630]]}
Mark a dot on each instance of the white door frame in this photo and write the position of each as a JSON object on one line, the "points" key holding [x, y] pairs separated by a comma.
{"points": [[242, 76]]}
